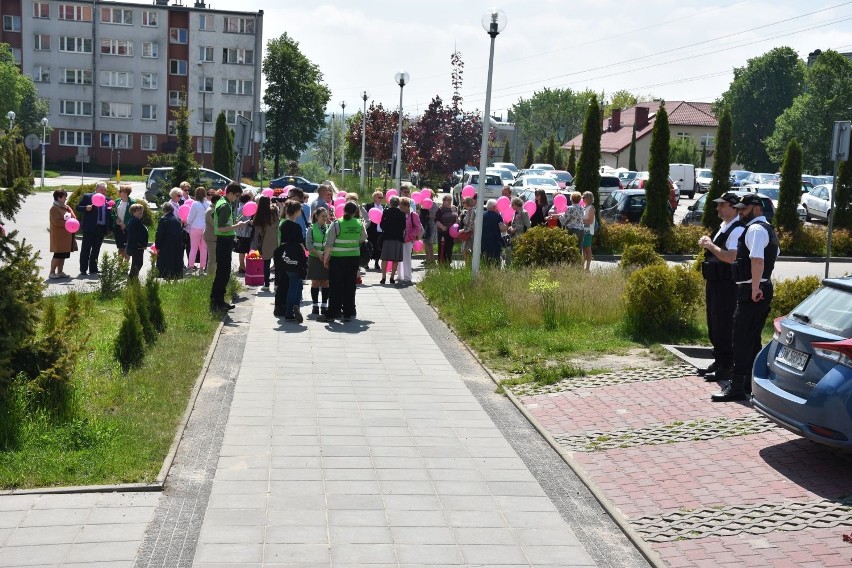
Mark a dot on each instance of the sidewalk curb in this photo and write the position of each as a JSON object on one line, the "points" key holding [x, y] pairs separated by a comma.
{"points": [[159, 484], [644, 549]]}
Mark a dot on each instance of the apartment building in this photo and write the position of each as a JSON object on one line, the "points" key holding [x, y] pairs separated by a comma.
{"points": [[112, 72]]}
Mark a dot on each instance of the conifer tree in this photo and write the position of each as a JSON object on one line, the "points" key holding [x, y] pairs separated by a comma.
{"points": [[507, 152], [529, 157], [155, 306], [721, 182], [572, 160], [550, 152], [631, 162], [588, 176], [843, 197], [657, 215], [789, 194], [129, 346], [223, 146]]}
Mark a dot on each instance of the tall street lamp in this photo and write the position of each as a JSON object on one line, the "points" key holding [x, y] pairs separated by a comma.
{"points": [[203, 83], [331, 167], [364, 96], [401, 79], [494, 22], [343, 145], [11, 116], [43, 142]]}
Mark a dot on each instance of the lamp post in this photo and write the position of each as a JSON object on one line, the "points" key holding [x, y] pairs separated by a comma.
{"points": [[494, 22], [43, 142], [203, 84], [343, 145], [401, 79], [364, 96], [11, 116], [331, 165]]}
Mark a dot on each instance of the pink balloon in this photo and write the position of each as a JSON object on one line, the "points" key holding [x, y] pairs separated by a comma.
{"points": [[529, 207], [561, 203], [307, 252], [503, 203], [417, 197], [287, 188], [154, 249], [268, 192], [454, 230], [507, 214], [189, 202], [249, 208], [375, 215], [426, 193], [427, 203], [72, 225], [468, 191], [417, 246], [582, 203], [338, 210], [98, 199], [183, 212], [110, 203], [391, 193], [339, 201]]}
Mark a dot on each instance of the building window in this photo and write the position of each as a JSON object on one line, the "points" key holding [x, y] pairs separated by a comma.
{"points": [[149, 112], [234, 25], [11, 23], [150, 49], [148, 142], [149, 80], [41, 42], [116, 47], [149, 18], [683, 136], [178, 35], [121, 79], [205, 85], [238, 87], [172, 128], [231, 116], [204, 145], [117, 16], [75, 13], [177, 66], [70, 44], [41, 10], [41, 74], [177, 98], [76, 76], [205, 54], [116, 110], [708, 140], [238, 56], [116, 140], [206, 23], [75, 138], [207, 113], [75, 108]]}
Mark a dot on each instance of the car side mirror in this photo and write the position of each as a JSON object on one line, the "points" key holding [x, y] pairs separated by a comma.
{"points": [[691, 207]]}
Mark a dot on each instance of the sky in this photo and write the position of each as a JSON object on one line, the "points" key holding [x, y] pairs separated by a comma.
{"points": [[669, 49]]}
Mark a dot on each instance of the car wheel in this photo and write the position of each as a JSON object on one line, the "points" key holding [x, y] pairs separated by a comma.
{"points": [[807, 213], [692, 195]]}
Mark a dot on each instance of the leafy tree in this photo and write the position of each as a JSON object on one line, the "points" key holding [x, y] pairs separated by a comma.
{"points": [[19, 94], [382, 124], [588, 177], [810, 119], [789, 194], [703, 156], [507, 152], [631, 160], [223, 145], [572, 160], [683, 151], [843, 197], [623, 99], [550, 111], [721, 182], [529, 156], [185, 166], [657, 215], [560, 160], [295, 99], [760, 92]]}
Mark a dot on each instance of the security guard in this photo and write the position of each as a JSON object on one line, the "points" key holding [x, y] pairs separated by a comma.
{"points": [[757, 249], [720, 289], [225, 230]]}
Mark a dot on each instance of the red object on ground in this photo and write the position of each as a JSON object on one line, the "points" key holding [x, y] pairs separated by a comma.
{"points": [[254, 267]]}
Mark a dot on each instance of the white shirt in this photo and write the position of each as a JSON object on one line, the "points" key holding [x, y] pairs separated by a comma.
{"points": [[756, 239], [122, 209], [196, 215], [733, 237]]}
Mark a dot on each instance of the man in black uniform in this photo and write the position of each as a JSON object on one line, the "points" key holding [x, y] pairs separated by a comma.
{"points": [[720, 290], [757, 250]]}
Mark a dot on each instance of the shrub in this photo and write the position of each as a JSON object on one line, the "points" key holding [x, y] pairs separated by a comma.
{"points": [[547, 291], [615, 237], [682, 239], [114, 269], [808, 240], [75, 196], [129, 346], [660, 300], [149, 332], [543, 246], [841, 242], [313, 171], [155, 306], [638, 256], [788, 294]]}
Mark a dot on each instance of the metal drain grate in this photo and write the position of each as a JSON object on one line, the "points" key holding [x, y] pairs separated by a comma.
{"points": [[606, 379], [692, 431], [751, 519]]}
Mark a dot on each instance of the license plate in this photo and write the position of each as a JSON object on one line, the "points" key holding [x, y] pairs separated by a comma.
{"points": [[792, 358]]}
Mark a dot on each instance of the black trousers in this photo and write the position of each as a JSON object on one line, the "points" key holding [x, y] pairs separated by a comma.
{"points": [[749, 319], [445, 247], [342, 282], [224, 247], [90, 248], [721, 300], [282, 283], [137, 257]]}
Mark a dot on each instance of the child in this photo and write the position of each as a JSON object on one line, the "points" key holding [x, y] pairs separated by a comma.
{"points": [[137, 239]]}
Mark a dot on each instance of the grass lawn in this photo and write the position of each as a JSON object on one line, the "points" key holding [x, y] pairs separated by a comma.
{"points": [[121, 426]]}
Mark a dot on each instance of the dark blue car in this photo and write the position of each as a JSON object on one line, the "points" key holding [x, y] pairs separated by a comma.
{"points": [[803, 377]]}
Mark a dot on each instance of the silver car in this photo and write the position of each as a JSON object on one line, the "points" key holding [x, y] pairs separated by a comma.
{"points": [[816, 202]]}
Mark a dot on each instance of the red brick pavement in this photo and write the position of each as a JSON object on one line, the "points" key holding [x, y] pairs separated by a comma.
{"points": [[769, 467]]}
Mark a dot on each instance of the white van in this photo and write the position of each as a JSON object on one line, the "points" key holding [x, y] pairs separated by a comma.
{"points": [[541, 167], [684, 176]]}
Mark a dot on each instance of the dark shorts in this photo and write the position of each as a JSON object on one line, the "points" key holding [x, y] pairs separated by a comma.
{"points": [[243, 244], [587, 239], [61, 255], [120, 237]]}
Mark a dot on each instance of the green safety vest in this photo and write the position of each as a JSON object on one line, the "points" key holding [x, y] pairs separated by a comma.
{"points": [[318, 238], [347, 242], [218, 232]]}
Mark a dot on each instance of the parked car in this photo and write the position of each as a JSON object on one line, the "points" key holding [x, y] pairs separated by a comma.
{"points": [[506, 175], [641, 179], [529, 194], [157, 186], [814, 180], [625, 176], [300, 182], [760, 179], [816, 202], [541, 167], [737, 177], [563, 178], [506, 165], [695, 211], [802, 380], [531, 172], [532, 182], [493, 186], [772, 191], [703, 177], [607, 185], [624, 206]]}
